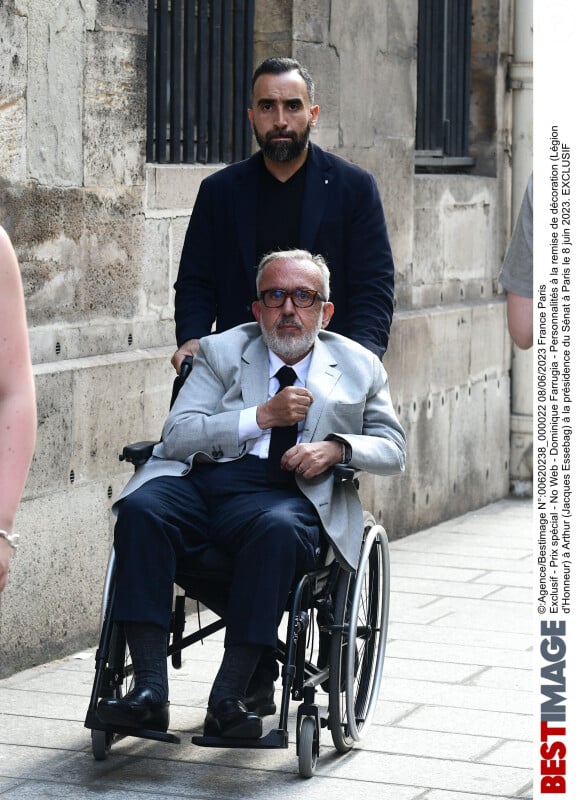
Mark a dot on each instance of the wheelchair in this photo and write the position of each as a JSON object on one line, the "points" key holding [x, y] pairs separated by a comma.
{"points": [[335, 644]]}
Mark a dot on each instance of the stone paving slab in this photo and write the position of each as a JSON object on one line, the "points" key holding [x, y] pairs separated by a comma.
{"points": [[462, 654], [515, 727], [406, 558], [412, 670], [459, 635], [453, 722], [448, 588], [458, 696]]}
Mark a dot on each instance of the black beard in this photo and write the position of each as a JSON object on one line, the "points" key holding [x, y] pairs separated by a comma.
{"points": [[283, 151]]}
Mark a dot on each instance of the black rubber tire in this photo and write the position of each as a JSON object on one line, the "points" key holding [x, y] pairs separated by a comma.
{"points": [[357, 647]]}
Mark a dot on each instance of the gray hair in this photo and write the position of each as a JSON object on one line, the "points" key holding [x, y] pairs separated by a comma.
{"points": [[296, 255]]}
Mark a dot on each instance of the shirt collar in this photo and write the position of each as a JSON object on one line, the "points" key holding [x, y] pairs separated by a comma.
{"points": [[300, 368]]}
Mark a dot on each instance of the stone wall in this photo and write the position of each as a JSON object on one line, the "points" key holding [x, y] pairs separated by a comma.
{"points": [[98, 233]]}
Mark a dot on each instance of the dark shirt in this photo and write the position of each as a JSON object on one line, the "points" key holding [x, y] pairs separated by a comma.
{"points": [[279, 211]]}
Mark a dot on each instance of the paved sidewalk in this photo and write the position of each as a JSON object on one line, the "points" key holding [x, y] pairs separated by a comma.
{"points": [[454, 721]]}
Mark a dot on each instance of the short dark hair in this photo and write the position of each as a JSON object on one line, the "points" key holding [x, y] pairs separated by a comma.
{"points": [[277, 66]]}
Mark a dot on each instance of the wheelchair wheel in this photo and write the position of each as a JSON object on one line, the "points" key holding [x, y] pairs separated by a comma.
{"points": [[307, 748], [101, 742], [358, 643]]}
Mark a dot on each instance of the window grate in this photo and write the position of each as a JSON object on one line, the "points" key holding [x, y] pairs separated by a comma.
{"points": [[199, 69], [443, 78]]}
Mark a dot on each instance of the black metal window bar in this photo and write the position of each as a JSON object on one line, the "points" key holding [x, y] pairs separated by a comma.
{"points": [[443, 82], [199, 69]]}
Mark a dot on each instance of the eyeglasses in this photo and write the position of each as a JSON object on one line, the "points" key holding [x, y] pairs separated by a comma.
{"points": [[301, 298]]}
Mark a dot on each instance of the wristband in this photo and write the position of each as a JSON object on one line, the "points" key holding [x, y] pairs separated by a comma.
{"points": [[346, 456]]}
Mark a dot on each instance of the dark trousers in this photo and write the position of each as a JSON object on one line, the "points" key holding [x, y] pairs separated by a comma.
{"points": [[270, 534]]}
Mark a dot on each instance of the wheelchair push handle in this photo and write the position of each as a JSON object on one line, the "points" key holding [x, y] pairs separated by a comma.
{"points": [[186, 367], [184, 370]]}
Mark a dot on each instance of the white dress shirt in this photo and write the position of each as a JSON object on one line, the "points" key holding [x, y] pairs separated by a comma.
{"points": [[249, 430]]}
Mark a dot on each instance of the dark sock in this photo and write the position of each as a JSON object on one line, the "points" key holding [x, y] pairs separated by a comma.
{"points": [[148, 648], [237, 667], [266, 672]]}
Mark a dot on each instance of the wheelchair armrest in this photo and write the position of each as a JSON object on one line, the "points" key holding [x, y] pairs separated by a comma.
{"points": [[345, 474], [137, 453]]}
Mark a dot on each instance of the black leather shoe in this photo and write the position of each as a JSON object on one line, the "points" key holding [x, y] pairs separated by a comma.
{"points": [[231, 719], [136, 710], [260, 699]]}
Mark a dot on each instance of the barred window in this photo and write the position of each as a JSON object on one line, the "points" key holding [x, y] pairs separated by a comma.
{"points": [[443, 83], [199, 69]]}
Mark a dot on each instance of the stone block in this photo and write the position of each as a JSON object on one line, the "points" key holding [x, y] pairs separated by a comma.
{"points": [[60, 341], [56, 62], [89, 408], [126, 15], [173, 187], [395, 90], [466, 237], [54, 445], [358, 33], [489, 345], [79, 251], [402, 29], [310, 20], [13, 140], [521, 449], [156, 295], [455, 232], [114, 108], [272, 18], [13, 76]]}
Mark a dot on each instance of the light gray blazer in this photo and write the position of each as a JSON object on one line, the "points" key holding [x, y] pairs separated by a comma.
{"points": [[352, 402]]}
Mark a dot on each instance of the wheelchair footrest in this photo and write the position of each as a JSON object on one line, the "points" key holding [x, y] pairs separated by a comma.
{"points": [[275, 739], [94, 723]]}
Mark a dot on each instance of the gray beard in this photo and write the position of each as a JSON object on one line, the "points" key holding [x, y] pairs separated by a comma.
{"points": [[290, 347]]}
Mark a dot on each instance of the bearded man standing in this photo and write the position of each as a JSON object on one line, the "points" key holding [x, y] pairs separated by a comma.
{"points": [[290, 194]]}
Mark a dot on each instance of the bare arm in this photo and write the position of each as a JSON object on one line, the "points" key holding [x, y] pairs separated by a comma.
{"points": [[17, 397], [520, 320]]}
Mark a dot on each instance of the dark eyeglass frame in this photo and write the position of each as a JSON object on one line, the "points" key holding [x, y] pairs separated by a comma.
{"points": [[301, 298]]}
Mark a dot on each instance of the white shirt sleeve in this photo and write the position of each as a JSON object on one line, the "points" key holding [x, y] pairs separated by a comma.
{"points": [[248, 427]]}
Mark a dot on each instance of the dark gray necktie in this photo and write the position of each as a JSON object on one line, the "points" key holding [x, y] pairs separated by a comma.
{"points": [[282, 437]]}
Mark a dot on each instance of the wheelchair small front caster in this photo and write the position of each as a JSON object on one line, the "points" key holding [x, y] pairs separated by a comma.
{"points": [[101, 742], [308, 747]]}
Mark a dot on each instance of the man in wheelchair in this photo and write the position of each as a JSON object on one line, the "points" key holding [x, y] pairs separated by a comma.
{"points": [[245, 464]]}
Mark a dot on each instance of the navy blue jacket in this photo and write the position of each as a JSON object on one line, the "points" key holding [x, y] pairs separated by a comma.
{"points": [[342, 219]]}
